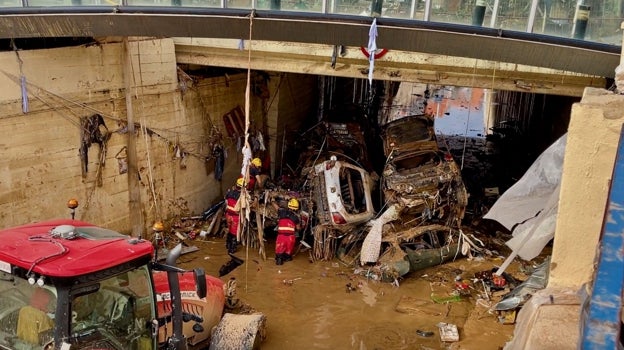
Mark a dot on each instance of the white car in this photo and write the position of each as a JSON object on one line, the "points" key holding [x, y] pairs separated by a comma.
{"points": [[342, 193]]}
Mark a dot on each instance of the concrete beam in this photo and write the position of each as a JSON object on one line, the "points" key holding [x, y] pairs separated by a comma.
{"points": [[394, 66]]}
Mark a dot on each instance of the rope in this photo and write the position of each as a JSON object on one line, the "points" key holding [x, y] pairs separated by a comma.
{"points": [[247, 146], [145, 133], [150, 174]]}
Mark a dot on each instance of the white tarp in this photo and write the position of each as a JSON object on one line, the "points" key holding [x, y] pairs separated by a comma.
{"points": [[371, 247], [531, 203]]}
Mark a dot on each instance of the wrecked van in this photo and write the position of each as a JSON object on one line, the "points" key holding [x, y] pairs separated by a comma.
{"points": [[419, 175]]}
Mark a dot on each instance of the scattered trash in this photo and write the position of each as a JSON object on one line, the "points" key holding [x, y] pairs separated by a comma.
{"points": [[507, 317], [290, 282], [526, 289], [491, 191], [425, 334], [350, 288], [444, 300], [448, 332]]}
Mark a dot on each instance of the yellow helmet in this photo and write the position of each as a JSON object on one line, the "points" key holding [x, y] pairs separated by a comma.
{"points": [[293, 204], [240, 181], [158, 226], [257, 162], [72, 203]]}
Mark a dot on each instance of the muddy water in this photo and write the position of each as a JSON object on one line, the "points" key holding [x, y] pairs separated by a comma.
{"points": [[324, 305]]}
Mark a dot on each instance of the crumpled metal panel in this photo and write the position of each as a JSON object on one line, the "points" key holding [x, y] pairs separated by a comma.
{"points": [[418, 174]]}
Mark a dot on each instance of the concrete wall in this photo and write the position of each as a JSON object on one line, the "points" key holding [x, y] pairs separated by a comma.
{"points": [[592, 141], [40, 167], [296, 104]]}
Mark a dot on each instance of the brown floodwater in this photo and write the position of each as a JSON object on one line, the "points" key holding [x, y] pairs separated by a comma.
{"points": [[325, 305]]}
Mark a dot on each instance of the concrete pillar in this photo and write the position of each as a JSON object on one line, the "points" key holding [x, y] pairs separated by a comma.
{"points": [[550, 319], [376, 8], [134, 187], [581, 17], [276, 4], [593, 136], [478, 13]]}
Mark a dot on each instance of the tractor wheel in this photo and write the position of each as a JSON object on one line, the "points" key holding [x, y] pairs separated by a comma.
{"points": [[239, 332]]}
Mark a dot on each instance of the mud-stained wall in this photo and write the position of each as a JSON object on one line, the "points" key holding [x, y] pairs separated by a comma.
{"points": [[40, 166], [592, 141], [296, 105]]}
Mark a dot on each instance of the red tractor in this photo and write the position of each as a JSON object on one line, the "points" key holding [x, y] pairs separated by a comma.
{"points": [[67, 284]]}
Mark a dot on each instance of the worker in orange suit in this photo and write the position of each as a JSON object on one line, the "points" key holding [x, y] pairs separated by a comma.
{"points": [[288, 224], [232, 217]]}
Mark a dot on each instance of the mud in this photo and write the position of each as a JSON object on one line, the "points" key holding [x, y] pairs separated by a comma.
{"points": [[324, 305]]}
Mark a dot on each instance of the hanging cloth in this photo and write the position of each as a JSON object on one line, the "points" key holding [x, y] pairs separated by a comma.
{"points": [[372, 48]]}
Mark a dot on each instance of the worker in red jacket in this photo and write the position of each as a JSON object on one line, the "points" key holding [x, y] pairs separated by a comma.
{"points": [[232, 217], [288, 224]]}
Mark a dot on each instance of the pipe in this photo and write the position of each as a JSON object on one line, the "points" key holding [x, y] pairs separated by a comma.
{"points": [[177, 340], [478, 13]]}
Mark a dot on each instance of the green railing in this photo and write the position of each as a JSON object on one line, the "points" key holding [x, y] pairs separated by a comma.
{"points": [[592, 20]]}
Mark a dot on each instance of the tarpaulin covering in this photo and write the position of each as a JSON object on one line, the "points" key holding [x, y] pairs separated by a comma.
{"points": [[531, 203]]}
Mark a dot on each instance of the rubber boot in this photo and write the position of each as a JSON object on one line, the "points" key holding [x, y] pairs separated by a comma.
{"points": [[230, 244], [286, 257], [278, 259]]}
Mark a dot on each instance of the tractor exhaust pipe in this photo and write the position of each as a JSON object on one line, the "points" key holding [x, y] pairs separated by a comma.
{"points": [[177, 340]]}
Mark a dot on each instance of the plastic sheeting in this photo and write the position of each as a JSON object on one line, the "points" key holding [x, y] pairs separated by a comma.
{"points": [[531, 204], [371, 246]]}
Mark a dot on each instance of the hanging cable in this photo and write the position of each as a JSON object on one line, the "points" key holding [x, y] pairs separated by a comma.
{"points": [[474, 73]]}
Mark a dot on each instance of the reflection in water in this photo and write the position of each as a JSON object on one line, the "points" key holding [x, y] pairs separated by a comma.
{"points": [[368, 295], [322, 316]]}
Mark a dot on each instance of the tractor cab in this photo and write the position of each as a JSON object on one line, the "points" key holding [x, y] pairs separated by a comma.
{"points": [[67, 284]]}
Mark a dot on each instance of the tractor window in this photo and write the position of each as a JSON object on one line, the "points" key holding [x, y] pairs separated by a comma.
{"points": [[26, 313], [116, 316]]}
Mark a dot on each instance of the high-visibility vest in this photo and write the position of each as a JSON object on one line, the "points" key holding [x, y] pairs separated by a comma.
{"points": [[285, 226], [230, 202]]}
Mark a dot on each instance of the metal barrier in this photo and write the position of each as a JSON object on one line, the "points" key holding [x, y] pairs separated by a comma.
{"points": [[569, 19]]}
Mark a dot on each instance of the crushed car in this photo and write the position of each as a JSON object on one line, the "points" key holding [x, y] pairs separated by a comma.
{"points": [[425, 197], [419, 175]]}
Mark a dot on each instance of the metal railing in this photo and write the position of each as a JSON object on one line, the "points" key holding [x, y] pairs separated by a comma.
{"points": [[590, 20]]}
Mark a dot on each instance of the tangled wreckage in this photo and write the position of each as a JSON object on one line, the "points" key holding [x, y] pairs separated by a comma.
{"points": [[422, 195]]}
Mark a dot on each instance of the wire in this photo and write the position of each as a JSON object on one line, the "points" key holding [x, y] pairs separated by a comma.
{"points": [[474, 73]]}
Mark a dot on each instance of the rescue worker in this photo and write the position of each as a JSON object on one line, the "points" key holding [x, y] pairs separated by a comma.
{"points": [[254, 174], [232, 217], [288, 224]]}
